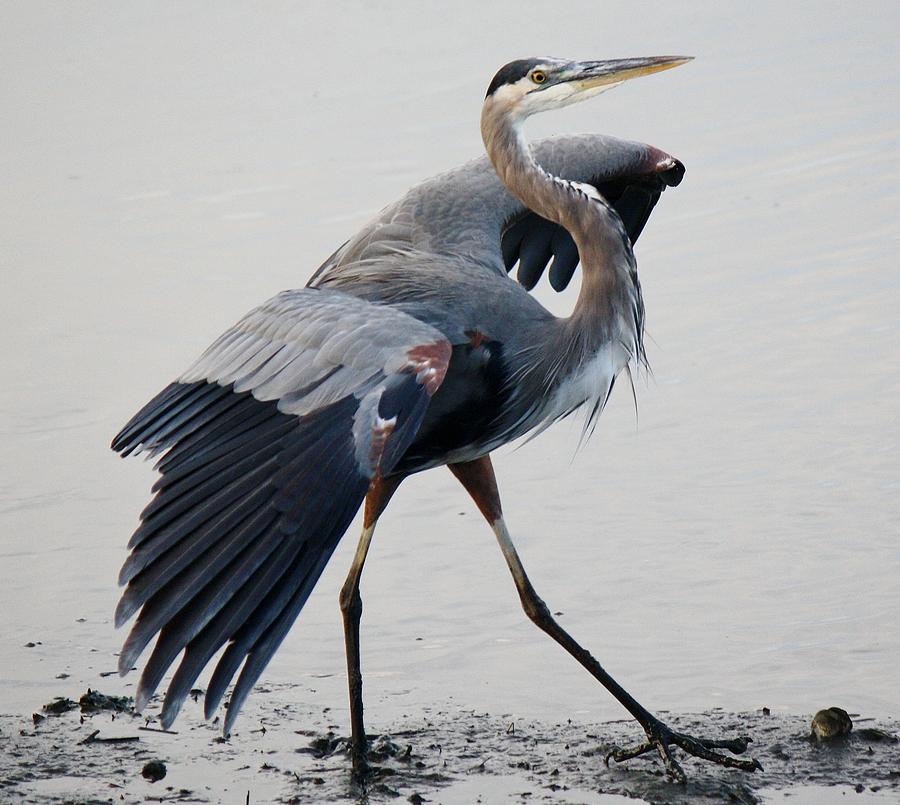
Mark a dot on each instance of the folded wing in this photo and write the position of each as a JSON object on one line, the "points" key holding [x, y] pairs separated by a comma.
{"points": [[469, 212]]}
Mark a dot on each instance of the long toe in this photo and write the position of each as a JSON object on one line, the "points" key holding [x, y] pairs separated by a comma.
{"points": [[701, 748]]}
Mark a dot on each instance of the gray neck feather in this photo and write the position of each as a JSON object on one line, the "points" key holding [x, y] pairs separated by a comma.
{"points": [[610, 306]]}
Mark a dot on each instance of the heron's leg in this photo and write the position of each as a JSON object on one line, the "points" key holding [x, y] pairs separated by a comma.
{"points": [[351, 608], [478, 479]]}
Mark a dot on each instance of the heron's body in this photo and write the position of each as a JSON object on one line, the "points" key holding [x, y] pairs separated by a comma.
{"points": [[515, 365], [411, 348]]}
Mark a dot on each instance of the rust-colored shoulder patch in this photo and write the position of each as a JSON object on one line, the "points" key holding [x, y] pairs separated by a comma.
{"points": [[659, 162], [429, 362], [476, 337]]}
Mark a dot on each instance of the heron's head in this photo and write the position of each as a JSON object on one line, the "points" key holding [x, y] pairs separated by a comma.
{"points": [[527, 86]]}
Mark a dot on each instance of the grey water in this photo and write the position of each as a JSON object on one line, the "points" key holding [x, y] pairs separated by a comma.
{"points": [[734, 544]]}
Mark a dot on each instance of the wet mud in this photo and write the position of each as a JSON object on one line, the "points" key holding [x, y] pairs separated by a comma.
{"points": [[96, 752]]}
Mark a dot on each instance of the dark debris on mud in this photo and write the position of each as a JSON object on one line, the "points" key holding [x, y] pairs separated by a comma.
{"points": [[292, 755], [90, 702]]}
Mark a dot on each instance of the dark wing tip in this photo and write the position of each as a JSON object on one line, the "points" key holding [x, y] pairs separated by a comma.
{"points": [[177, 407], [531, 240], [674, 173]]}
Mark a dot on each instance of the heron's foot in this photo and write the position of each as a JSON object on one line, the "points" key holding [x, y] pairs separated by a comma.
{"points": [[379, 750], [662, 738], [331, 745], [363, 771]]}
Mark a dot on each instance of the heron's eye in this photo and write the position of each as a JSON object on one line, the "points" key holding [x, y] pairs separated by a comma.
{"points": [[538, 76]]}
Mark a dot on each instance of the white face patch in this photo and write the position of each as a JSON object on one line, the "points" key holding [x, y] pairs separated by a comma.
{"points": [[564, 94]]}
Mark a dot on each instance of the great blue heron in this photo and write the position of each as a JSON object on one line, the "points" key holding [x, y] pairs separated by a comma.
{"points": [[410, 348]]}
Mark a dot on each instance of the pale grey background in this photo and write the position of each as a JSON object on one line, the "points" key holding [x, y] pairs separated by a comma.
{"points": [[164, 167]]}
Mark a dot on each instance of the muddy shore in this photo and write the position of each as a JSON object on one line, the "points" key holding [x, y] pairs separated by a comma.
{"points": [[293, 753]]}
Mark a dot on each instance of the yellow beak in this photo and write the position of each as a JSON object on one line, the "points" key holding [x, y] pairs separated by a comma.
{"points": [[593, 74]]}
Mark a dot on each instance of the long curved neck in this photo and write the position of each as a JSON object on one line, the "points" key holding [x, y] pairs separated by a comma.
{"points": [[511, 156], [603, 245]]}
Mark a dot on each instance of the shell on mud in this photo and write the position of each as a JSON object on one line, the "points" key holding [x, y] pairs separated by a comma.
{"points": [[831, 723]]}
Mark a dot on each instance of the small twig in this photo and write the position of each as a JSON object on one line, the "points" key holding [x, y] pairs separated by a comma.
{"points": [[157, 729], [93, 739]]}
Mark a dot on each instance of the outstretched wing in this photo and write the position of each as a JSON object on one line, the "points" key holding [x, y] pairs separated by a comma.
{"points": [[469, 212], [271, 440]]}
